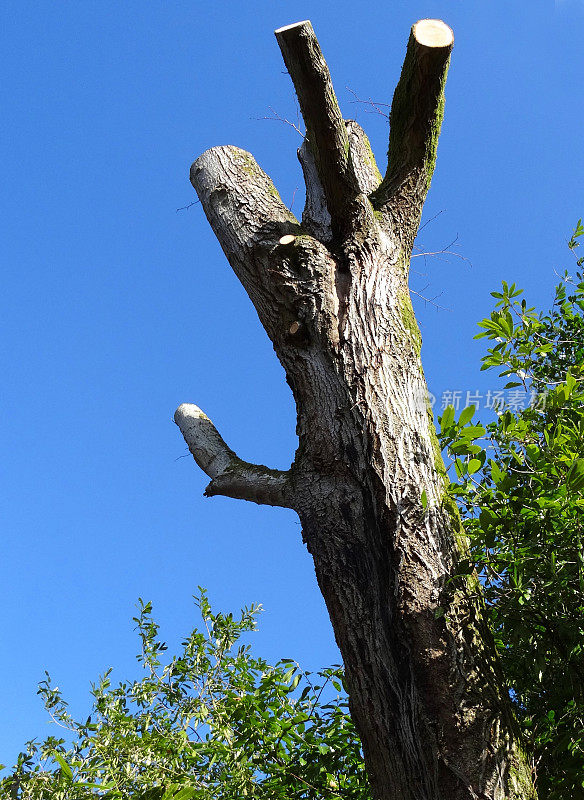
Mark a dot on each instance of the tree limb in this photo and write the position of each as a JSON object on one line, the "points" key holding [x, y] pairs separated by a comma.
{"points": [[415, 121], [249, 219], [363, 162], [315, 217], [230, 476], [325, 128], [240, 201]]}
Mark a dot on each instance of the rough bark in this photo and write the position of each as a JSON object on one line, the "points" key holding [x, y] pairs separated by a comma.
{"points": [[332, 294]]}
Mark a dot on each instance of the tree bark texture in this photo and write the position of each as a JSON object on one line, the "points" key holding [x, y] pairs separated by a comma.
{"points": [[332, 294]]}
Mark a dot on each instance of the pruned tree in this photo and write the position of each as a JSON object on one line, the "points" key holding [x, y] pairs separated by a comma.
{"points": [[367, 482]]}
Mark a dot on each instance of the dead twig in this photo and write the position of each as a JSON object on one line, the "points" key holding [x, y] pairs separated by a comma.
{"points": [[277, 118], [445, 251], [184, 208], [428, 221], [431, 300], [375, 107]]}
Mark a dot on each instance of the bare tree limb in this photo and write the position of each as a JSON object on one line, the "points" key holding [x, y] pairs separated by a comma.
{"points": [[283, 270], [238, 198], [363, 162], [230, 476], [444, 251], [325, 128], [248, 217], [315, 217], [415, 121]]}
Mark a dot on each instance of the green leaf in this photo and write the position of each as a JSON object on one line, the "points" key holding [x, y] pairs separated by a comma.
{"points": [[496, 473], [473, 432], [186, 793], [66, 769], [474, 465], [575, 475], [447, 418], [466, 415], [424, 500]]}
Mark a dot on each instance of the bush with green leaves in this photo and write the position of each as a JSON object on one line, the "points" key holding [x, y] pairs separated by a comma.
{"points": [[213, 721], [520, 486]]}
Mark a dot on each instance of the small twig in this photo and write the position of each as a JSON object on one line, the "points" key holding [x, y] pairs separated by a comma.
{"points": [[444, 251], [431, 300], [428, 221], [277, 118], [437, 253], [293, 198], [184, 208], [375, 106]]}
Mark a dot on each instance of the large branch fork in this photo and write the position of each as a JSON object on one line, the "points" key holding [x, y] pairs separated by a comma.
{"points": [[331, 291]]}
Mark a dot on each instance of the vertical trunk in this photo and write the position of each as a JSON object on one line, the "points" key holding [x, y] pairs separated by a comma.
{"points": [[425, 691]]}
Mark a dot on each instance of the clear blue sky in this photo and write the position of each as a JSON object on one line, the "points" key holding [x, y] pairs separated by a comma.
{"points": [[116, 308]]}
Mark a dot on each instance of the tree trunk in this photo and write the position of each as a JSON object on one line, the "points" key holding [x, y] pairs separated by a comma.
{"points": [[332, 293]]}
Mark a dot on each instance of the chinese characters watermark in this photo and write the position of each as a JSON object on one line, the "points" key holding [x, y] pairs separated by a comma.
{"points": [[497, 400]]}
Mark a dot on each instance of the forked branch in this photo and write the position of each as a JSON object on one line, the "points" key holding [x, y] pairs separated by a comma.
{"points": [[230, 476]]}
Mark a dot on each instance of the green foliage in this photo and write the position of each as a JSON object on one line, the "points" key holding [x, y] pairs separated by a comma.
{"points": [[520, 487], [212, 722]]}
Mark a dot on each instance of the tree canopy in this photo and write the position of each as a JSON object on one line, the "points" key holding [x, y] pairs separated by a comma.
{"points": [[213, 721]]}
